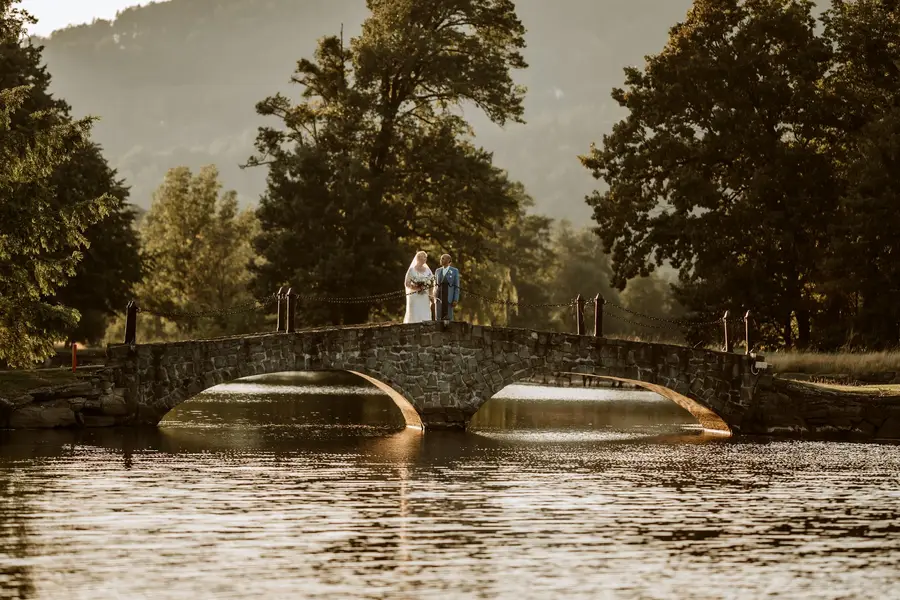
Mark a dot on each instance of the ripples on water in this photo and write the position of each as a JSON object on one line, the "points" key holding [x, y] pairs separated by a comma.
{"points": [[300, 488]]}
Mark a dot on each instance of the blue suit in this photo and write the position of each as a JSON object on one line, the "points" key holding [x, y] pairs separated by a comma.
{"points": [[451, 276]]}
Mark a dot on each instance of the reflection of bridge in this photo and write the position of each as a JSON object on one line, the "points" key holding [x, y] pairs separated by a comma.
{"points": [[439, 373]]}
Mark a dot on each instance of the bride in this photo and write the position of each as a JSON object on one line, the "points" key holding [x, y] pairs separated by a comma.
{"points": [[419, 281]]}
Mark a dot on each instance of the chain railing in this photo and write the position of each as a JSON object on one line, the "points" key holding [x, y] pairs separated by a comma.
{"points": [[286, 301], [635, 318]]}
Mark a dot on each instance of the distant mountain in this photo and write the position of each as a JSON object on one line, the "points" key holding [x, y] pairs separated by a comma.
{"points": [[175, 83]]}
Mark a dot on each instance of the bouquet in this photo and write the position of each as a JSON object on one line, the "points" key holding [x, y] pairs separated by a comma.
{"points": [[421, 284]]}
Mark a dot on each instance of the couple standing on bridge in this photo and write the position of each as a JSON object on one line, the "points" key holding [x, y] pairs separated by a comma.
{"points": [[430, 296]]}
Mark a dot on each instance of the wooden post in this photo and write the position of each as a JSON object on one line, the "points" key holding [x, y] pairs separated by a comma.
{"points": [[598, 315], [747, 331], [729, 344], [579, 314], [291, 311], [74, 356], [131, 322], [280, 324]]}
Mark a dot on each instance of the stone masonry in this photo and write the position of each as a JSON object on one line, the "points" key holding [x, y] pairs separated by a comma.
{"points": [[441, 373]]}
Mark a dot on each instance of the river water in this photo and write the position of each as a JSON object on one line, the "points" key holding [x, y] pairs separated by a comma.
{"points": [[300, 486]]}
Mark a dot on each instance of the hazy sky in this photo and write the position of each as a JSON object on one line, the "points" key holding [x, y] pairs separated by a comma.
{"points": [[56, 14]]}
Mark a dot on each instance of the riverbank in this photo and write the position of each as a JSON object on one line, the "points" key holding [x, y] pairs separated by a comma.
{"points": [[51, 398], [800, 408], [843, 368]]}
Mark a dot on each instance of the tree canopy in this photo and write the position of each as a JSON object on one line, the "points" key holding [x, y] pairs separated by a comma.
{"points": [[104, 280], [197, 244], [863, 283], [40, 238], [757, 158]]}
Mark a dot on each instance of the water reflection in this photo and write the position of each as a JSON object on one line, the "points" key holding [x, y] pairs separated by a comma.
{"points": [[318, 492], [518, 407], [316, 401], [15, 574]]}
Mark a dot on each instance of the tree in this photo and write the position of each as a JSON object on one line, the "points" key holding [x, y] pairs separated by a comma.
{"points": [[198, 248], [527, 247], [514, 273], [39, 238], [104, 280], [111, 266], [867, 244], [320, 232], [375, 164], [652, 297], [865, 38], [722, 166], [580, 267], [863, 287]]}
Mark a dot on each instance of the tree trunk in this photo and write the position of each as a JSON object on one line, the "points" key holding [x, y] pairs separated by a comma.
{"points": [[788, 333], [803, 329]]}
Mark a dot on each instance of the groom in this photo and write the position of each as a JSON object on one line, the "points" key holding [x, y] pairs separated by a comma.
{"points": [[450, 275]]}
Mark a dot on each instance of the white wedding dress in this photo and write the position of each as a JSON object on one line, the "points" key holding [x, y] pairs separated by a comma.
{"points": [[418, 305]]}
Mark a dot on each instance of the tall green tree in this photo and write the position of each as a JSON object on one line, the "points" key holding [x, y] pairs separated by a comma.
{"points": [[513, 274], [40, 238], [863, 288], [111, 265], [865, 75], [198, 247], [721, 167], [104, 280], [375, 162]]}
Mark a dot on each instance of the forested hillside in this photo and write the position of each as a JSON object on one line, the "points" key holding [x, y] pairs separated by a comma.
{"points": [[176, 83]]}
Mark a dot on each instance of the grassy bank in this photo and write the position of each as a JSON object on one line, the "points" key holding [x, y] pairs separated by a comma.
{"points": [[878, 391], [16, 383], [847, 363]]}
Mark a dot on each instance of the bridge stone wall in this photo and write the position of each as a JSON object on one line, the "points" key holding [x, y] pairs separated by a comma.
{"points": [[446, 371]]}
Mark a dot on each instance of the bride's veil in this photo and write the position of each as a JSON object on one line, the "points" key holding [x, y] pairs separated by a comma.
{"points": [[411, 269], [413, 262]]}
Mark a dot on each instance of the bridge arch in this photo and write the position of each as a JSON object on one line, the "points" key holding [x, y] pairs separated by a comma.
{"points": [[159, 377], [707, 418], [187, 391]]}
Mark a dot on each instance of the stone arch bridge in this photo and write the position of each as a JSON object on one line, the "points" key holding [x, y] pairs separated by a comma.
{"points": [[439, 373]]}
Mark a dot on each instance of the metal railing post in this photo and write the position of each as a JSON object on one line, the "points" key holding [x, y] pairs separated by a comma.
{"points": [[598, 315], [579, 314], [729, 344], [291, 310], [131, 311], [280, 324], [747, 331]]}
